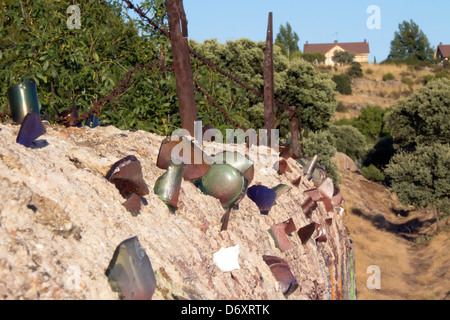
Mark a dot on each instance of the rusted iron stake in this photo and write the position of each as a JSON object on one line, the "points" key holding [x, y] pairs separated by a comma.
{"points": [[182, 64], [269, 115]]}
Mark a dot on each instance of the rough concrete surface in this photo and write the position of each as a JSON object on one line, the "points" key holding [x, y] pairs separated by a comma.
{"points": [[61, 221]]}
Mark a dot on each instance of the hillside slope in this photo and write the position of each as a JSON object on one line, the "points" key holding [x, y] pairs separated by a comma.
{"points": [[413, 264]]}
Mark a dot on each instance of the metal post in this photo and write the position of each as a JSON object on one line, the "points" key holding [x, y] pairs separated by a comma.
{"points": [[182, 64], [269, 115]]}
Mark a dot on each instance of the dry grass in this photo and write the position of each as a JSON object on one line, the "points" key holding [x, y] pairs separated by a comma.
{"points": [[409, 270]]}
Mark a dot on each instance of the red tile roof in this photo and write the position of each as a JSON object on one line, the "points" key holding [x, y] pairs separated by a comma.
{"points": [[355, 47], [445, 50]]}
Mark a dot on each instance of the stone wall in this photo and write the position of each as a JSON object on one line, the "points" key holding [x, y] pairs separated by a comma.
{"points": [[61, 221]]}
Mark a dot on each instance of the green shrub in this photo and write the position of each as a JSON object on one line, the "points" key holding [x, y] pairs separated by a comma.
{"points": [[442, 74], [355, 70], [343, 84], [427, 78], [388, 76], [408, 81], [349, 141], [373, 173]]}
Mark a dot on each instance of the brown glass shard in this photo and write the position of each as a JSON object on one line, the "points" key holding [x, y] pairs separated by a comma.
{"points": [[289, 226], [306, 232], [337, 199], [130, 272], [314, 194], [308, 206], [296, 182], [279, 233], [195, 164], [126, 175], [282, 166], [313, 230], [133, 204], [286, 281]]}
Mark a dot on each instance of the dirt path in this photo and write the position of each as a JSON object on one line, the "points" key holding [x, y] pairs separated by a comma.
{"points": [[412, 265]]}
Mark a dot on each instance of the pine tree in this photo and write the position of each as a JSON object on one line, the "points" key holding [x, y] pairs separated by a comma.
{"points": [[410, 44], [287, 40]]}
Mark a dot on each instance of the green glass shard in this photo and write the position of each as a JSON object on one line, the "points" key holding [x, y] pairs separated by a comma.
{"points": [[130, 272]]}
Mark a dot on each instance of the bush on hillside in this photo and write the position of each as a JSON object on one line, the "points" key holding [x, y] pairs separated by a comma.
{"points": [[372, 173], [343, 84]]}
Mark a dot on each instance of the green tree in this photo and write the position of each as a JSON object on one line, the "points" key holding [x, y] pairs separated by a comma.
{"points": [[89, 62], [343, 83], [410, 44], [316, 57], [297, 83], [420, 126], [420, 178], [343, 57], [371, 123], [287, 40], [349, 141], [355, 70], [423, 118]]}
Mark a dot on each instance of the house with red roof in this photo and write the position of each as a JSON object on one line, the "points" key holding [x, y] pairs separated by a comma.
{"points": [[360, 49], [442, 52]]}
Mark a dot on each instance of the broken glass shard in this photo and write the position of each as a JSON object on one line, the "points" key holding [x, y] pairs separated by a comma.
{"points": [[130, 272], [168, 186], [308, 206], [263, 197], [92, 121], [237, 161], [282, 167], [195, 160], [23, 99], [296, 182], [227, 259], [126, 175], [279, 233], [133, 204], [30, 129], [224, 183], [281, 189], [285, 280], [312, 230]]}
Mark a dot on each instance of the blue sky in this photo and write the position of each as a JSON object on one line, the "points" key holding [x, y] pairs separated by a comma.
{"points": [[317, 21]]}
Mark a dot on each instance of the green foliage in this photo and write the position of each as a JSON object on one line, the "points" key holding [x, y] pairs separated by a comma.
{"points": [[409, 82], [410, 44], [343, 57], [420, 178], [89, 62], [423, 118], [372, 173], [287, 40], [316, 57], [343, 84], [388, 76], [420, 126], [322, 144], [371, 122], [349, 141], [355, 70]]}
